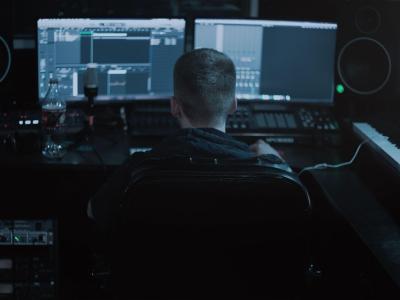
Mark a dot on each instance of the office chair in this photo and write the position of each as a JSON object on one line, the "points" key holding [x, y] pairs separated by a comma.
{"points": [[208, 228]]}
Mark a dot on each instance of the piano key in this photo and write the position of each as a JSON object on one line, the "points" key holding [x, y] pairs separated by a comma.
{"points": [[379, 143]]}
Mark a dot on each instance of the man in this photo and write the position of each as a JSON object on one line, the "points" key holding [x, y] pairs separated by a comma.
{"points": [[204, 96]]}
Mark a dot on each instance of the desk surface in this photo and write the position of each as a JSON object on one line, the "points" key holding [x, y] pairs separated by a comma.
{"points": [[353, 200], [112, 148], [343, 188]]}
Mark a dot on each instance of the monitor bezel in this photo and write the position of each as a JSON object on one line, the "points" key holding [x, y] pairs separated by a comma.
{"points": [[331, 103], [125, 100]]}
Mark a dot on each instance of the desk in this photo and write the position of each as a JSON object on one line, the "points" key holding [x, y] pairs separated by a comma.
{"points": [[61, 189], [354, 201], [112, 146]]}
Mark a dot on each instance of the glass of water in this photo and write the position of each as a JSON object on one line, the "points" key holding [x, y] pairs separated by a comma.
{"points": [[53, 122]]}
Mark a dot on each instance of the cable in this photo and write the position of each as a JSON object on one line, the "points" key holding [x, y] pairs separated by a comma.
{"points": [[99, 157], [90, 141], [323, 166]]}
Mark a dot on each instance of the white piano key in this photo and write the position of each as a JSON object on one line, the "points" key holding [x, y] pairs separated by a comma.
{"points": [[378, 142]]}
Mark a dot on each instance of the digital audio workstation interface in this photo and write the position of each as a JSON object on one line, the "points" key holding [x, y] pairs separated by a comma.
{"points": [[275, 60], [135, 58]]}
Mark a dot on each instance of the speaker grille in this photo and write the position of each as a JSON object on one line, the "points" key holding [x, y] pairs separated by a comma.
{"points": [[5, 59], [364, 65]]}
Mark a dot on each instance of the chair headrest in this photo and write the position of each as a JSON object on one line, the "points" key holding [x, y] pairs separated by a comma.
{"points": [[217, 176]]}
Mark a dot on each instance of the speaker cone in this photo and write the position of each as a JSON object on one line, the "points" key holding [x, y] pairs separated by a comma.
{"points": [[5, 59], [364, 66], [368, 19]]}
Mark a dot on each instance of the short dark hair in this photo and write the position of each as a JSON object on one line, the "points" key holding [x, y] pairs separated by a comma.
{"points": [[204, 85]]}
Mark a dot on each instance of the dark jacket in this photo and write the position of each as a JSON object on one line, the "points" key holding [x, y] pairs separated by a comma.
{"points": [[204, 142]]}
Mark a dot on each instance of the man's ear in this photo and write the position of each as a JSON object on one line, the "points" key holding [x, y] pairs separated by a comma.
{"points": [[233, 107], [175, 107]]}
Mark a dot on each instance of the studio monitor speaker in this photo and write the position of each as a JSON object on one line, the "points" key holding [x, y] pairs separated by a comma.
{"points": [[6, 47], [5, 57], [368, 52]]}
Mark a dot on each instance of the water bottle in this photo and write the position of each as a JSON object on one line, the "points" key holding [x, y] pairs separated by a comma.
{"points": [[53, 122]]}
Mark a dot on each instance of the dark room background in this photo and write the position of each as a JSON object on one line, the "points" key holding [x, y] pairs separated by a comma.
{"points": [[369, 70]]}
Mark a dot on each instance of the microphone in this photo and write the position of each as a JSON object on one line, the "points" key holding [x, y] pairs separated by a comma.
{"points": [[90, 89], [90, 78]]}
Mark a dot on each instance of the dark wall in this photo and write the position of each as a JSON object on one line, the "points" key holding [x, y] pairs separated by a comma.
{"points": [[18, 26], [368, 47], [27, 11], [18, 19]]}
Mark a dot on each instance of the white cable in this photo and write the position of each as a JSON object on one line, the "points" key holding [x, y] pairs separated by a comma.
{"points": [[323, 166]]}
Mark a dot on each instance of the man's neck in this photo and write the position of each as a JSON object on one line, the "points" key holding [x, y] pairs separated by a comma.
{"points": [[189, 125]]}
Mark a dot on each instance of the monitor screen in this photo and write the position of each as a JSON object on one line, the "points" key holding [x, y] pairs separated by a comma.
{"points": [[135, 58], [275, 60]]}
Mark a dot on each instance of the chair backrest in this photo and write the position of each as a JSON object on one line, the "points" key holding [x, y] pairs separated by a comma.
{"points": [[211, 228]]}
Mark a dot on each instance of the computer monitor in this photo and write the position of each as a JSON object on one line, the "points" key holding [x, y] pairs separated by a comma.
{"points": [[135, 57], [275, 60]]}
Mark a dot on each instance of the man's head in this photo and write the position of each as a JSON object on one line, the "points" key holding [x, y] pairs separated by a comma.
{"points": [[204, 88]]}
